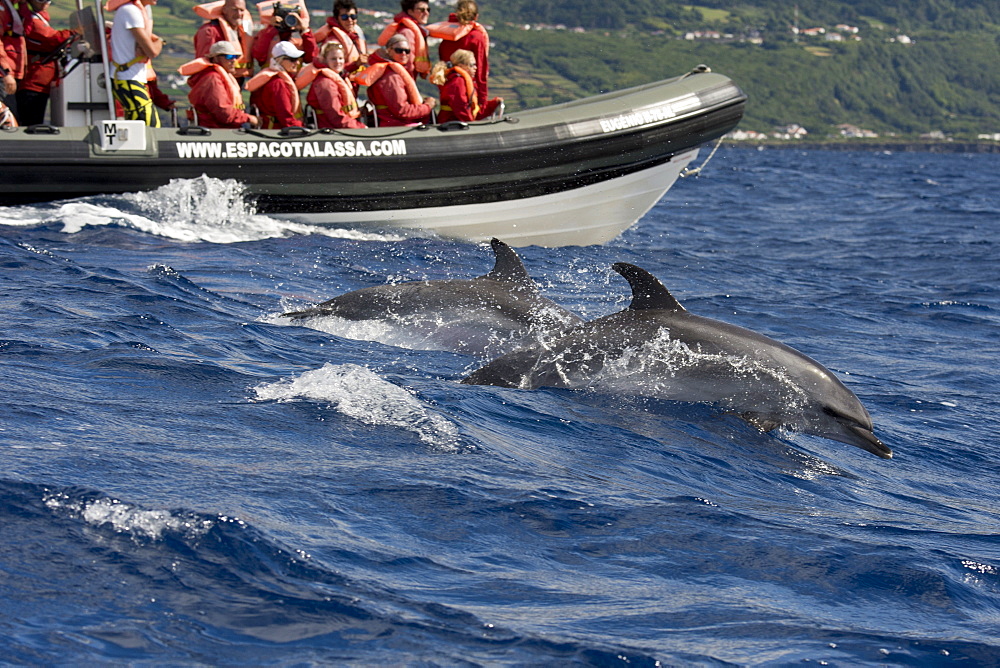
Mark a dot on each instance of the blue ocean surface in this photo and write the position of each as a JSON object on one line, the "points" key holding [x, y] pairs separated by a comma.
{"points": [[188, 478]]}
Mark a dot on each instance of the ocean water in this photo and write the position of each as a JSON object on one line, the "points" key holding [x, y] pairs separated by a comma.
{"points": [[188, 478]]}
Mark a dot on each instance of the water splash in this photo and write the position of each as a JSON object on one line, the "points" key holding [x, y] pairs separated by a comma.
{"points": [[361, 394], [191, 210]]}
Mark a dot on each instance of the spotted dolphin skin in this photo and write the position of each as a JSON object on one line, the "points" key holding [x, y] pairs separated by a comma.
{"points": [[483, 316], [657, 348]]}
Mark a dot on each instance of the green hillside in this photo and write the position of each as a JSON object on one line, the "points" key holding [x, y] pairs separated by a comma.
{"points": [[946, 82], [928, 66]]}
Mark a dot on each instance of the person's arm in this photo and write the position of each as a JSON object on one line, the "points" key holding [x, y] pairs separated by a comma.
{"points": [[398, 102], [308, 46], [146, 43], [7, 70], [216, 99], [204, 38], [284, 104], [261, 49], [454, 95], [42, 37]]}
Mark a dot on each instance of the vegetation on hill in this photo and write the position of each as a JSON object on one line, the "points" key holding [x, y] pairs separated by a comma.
{"points": [[942, 77], [945, 82]]}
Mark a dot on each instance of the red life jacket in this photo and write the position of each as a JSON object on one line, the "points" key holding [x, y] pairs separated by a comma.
{"points": [[470, 89], [192, 67], [352, 52], [421, 59], [309, 73], [375, 71], [261, 79]]}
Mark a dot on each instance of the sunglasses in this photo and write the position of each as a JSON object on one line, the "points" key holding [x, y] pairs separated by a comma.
{"points": [[422, 9], [230, 56], [348, 17], [401, 50]]}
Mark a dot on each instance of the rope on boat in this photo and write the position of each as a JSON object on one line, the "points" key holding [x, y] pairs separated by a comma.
{"points": [[695, 171]]}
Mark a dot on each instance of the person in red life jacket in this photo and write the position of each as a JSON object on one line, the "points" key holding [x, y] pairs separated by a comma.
{"points": [[9, 84], [12, 19], [7, 119], [391, 88], [226, 21], [343, 27], [215, 94], [463, 31], [42, 41], [160, 99], [410, 24], [456, 79], [273, 89], [330, 95], [133, 45], [286, 26]]}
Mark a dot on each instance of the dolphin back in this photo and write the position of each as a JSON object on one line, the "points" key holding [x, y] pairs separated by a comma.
{"points": [[508, 267], [647, 290]]}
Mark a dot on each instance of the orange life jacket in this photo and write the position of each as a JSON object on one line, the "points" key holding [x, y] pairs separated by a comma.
{"points": [[192, 67], [454, 31], [470, 88], [375, 71], [309, 73], [261, 78], [421, 60], [212, 11], [351, 51]]}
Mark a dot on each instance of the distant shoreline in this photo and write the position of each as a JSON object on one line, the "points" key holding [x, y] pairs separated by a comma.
{"points": [[898, 147]]}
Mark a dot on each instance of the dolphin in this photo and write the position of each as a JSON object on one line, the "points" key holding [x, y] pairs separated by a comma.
{"points": [[655, 347], [483, 316]]}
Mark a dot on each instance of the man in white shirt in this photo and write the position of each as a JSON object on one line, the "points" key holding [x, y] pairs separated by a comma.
{"points": [[133, 45]]}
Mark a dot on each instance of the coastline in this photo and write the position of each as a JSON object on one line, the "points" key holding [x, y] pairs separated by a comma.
{"points": [[893, 146]]}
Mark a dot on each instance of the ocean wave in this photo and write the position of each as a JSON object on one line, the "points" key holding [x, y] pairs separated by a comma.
{"points": [[111, 580]]}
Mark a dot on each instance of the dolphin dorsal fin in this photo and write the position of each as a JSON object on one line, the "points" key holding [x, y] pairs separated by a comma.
{"points": [[508, 268], [647, 291]]}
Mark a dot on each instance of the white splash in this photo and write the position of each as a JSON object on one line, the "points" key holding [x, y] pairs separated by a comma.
{"points": [[191, 210], [361, 394], [126, 518]]}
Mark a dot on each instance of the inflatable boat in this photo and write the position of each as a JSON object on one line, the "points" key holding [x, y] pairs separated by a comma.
{"points": [[577, 173]]}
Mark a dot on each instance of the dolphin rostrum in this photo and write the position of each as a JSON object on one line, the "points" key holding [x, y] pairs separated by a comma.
{"points": [[483, 316], [657, 348]]}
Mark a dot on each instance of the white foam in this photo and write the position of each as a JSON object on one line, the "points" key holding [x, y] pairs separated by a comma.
{"points": [[201, 209], [126, 518], [359, 393], [380, 331]]}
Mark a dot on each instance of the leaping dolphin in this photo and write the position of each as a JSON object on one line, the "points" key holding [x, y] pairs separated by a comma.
{"points": [[657, 348], [483, 316]]}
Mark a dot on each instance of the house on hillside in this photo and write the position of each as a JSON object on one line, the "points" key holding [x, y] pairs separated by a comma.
{"points": [[790, 131], [746, 135], [854, 132]]}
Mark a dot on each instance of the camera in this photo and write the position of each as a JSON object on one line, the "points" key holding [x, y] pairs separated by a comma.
{"points": [[286, 17]]}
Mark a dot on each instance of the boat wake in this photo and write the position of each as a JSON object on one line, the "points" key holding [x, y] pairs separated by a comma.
{"points": [[191, 210]]}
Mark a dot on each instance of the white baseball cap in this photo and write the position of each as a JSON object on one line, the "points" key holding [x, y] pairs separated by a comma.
{"points": [[225, 49], [286, 49]]}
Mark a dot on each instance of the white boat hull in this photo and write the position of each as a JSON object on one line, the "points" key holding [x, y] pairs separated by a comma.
{"points": [[593, 214]]}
